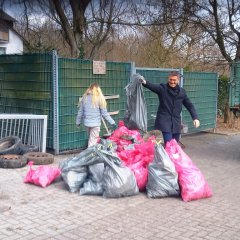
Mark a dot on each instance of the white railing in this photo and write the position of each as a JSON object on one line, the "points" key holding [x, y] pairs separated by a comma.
{"points": [[31, 129]]}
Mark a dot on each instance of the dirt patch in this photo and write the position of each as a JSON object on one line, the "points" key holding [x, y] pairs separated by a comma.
{"points": [[228, 128]]}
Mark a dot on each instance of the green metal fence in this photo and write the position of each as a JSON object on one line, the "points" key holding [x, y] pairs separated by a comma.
{"points": [[49, 85], [234, 86], [202, 89], [75, 76], [26, 86]]}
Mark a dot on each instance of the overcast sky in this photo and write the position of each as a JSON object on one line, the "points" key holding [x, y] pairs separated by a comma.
{"points": [[12, 9]]}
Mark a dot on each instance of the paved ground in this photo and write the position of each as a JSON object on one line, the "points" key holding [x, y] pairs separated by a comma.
{"points": [[31, 212]]}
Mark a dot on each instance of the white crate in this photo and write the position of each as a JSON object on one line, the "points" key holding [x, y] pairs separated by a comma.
{"points": [[31, 129]]}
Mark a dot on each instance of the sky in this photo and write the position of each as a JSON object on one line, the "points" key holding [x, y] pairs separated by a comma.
{"points": [[13, 10]]}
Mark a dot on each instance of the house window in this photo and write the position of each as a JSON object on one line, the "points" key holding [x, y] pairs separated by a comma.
{"points": [[4, 35], [2, 50]]}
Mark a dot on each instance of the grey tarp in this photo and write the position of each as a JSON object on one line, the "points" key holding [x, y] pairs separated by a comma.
{"points": [[117, 181], [136, 113], [162, 175]]}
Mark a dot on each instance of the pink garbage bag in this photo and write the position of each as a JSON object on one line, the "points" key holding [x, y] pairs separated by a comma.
{"points": [[192, 182], [140, 173], [124, 131], [137, 160], [42, 176]]}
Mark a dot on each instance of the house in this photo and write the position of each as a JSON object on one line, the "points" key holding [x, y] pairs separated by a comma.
{"points": [[10, 41]]}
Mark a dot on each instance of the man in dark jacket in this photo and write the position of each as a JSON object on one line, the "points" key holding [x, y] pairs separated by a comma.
{"points": [[171, 98]]}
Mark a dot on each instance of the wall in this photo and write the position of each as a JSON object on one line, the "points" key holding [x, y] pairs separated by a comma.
{"points": [[15, 44]]}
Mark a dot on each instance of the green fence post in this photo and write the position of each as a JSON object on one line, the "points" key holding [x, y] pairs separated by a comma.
{"points": [[133, 70], [55, 102]]}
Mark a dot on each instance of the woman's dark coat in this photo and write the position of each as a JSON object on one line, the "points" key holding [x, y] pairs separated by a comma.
{"points": [[170, 106]]}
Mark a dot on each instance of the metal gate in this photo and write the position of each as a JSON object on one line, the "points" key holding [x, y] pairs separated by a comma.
{"points": [[31, 129]]}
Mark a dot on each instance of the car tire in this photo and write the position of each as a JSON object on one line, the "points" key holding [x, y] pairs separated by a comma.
{"points": [[28, 148], [10, 145], [12, 161], [39, 158]]}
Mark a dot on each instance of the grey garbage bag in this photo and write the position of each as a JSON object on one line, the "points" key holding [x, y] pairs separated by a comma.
{"points": [[93, 185], [96, 172], [108, 145], [162, 176], [74, 170], [74, 178], [85, 158], [118, 180], [91, 188], [136, 113]]}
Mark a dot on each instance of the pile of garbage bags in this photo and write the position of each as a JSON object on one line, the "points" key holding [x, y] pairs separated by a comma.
{"points": [[125, 164], [98, 171]]}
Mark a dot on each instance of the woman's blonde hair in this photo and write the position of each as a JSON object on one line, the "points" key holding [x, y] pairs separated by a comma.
{"points": [[97, 96]]}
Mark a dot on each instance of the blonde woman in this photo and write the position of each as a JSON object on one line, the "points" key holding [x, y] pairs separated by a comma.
{"points": [[92, 108]]}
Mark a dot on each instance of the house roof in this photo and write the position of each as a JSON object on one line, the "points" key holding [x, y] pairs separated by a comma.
{"points": [[6, 17]]}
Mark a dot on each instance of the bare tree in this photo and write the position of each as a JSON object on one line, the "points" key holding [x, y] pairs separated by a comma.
{"points": [[81, 21], [92, 22], [155, 30], [220, 19], [73, 26]]}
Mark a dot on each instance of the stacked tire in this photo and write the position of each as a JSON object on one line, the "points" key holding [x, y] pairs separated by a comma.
{"points": [[38, 158], [14, 154], [10, 145], [12, 161]]}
